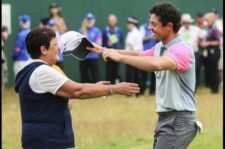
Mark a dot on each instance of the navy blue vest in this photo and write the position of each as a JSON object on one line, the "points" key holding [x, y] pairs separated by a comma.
{"points": [[46, 119]]}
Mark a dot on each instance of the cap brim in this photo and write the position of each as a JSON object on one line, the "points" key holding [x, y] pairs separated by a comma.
{"points": [[188, 21], [80, 52], [90, 18], [132, 22]]}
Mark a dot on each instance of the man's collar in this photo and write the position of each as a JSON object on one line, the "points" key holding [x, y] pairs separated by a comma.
{"points": [[175, 40]]}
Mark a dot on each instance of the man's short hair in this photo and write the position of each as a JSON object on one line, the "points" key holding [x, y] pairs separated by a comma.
{"points": [[4, 29], [166, 13], [36, 38], [53, 5], [200, 14]]}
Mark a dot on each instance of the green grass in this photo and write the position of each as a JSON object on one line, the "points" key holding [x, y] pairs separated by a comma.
{"points": [[118, 122]]}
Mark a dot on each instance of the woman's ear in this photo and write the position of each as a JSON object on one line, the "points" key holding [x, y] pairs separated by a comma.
{"points": [[43, 50]]}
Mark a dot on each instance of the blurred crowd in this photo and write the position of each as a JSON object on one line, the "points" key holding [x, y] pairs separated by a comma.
{"points": [[204, 34]]}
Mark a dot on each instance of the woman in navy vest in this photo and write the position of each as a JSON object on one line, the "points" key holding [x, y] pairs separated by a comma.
{"points": [[44, 94]]}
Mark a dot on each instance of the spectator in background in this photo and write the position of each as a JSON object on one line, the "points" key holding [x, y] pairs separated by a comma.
{"points": [[202, 24], [200, 21], [212, 53], [5, 35], [219, 24], [53, 25], [192, 35], [54, 13], [221, 59], [89, 68], [20, 54], [112, 38], [148, 42], [133, 42]]}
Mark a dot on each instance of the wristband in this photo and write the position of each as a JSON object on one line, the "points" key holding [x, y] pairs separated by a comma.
{"points": [[110, 89]]}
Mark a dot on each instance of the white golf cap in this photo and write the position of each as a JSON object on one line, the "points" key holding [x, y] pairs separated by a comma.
{"points": [[186, 17], [75, 44]]}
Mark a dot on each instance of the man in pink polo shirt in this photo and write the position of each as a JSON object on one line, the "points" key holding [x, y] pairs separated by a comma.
{"points": [[173, 62]]}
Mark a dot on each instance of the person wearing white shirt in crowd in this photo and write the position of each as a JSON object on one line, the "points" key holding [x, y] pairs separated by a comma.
{"points": [[133, 41], [193, 35]]}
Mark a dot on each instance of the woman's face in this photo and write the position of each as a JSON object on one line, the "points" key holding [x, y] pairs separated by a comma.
{"points": [[54, 11]]}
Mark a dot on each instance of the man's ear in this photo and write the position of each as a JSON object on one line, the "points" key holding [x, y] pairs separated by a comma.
{"points": [[43, 50], [170, 25]]}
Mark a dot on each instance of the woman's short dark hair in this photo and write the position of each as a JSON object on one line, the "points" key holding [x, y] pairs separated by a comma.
{"points": [[166, 13], [36, 38]]}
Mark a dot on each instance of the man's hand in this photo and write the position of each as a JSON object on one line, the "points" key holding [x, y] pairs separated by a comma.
{"points": [[204, 44], [111, 54], [97, 49], [125, 88]]}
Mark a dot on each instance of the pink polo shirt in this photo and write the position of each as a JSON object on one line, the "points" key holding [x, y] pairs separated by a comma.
{"points": [[180, 53], [175, 89]]}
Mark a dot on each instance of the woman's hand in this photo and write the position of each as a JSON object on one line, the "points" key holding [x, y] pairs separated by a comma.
{"points": [[125, 88]]}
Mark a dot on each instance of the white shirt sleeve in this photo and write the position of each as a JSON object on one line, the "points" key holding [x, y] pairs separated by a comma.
{"points": [[134, 40], [46, 79], [137, 42], [128, 42], [202, 33], [142, 31], [219, 25]]}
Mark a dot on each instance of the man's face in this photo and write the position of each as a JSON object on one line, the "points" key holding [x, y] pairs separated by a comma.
{"points": [[210, 18], [186, 24], [200, 20], [209, 21], [52, 52], [112, 21], [21, 24], [159, 32], [130, 26], [5, 35]]}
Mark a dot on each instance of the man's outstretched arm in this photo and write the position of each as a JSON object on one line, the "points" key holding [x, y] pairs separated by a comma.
{"points": [[146, 63], [99, 50]]}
